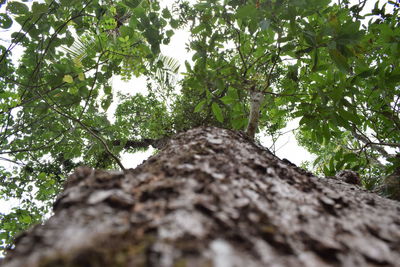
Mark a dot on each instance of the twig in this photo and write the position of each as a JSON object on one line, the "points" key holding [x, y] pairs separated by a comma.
{"points": [[87, 129]]}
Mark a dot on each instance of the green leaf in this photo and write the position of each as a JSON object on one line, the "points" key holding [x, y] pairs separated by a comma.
{"points": [[198, 28], [340, 164], [326, 132], [337, 93], [174, 23], [202, 6], [105, 104], [19, 156], [200, 105], [350, 157], [42, 176], [26, 219], [169, 33], [245, 11], [339, 154], [5, 21], [217, 112], [166, 14], [340, 121], [68, 79], [17, 8], [73, 90], [332, 166], [339, 60], [38, 9], [239, 123], [81, 76], [349, 116], [315, 60], [318, 137], [288, 47], [107, 89], [309, 37], [59, 68], [152, 35], [317, 160], [132, 3], [227, 99], [19, 37]]}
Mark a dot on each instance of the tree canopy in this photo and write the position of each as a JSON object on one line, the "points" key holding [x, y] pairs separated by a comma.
{"points": [[327, 63]]}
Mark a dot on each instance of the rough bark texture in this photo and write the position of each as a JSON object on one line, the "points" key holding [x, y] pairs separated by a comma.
{"points": [[256, 99], [212, 198]]}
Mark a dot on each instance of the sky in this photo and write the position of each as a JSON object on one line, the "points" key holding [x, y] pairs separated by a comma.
{"points": [[286, 145]]}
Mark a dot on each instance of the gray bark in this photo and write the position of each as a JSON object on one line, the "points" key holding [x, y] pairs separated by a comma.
{"points": [[212, 197], [256, 99]]}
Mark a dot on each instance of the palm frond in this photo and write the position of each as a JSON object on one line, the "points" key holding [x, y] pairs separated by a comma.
{"points": [[167, 69], [81, 47]]}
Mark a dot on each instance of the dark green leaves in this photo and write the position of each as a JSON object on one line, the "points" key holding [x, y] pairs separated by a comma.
{"points": [[246, 11], [339, 60], [349, 116], [38, 9], [17, 8], [5, 21], [198, 29], [200, 105], [231, 96], [217, 112], [166, 13], [132, 3]]}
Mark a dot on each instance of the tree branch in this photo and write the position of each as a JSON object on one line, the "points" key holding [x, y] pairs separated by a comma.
{"points": [[64, 114], [367, 142], [144, 143]]}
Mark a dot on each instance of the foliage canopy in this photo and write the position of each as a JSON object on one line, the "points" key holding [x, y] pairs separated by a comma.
{"points": [[328, 64]]}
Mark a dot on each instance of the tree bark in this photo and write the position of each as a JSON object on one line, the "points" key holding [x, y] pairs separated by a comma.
{"points": [[211, 197]]}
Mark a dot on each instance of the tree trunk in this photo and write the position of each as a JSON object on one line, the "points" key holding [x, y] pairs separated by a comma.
{"points": [[212, 197]]}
